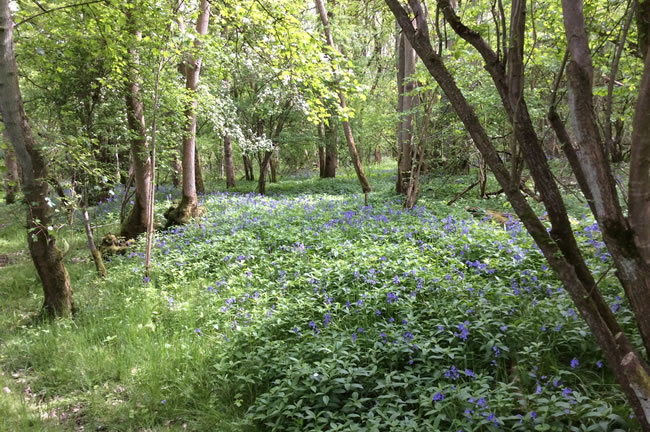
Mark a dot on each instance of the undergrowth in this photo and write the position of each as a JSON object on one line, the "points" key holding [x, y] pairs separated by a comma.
{"points": [[306, 310]]}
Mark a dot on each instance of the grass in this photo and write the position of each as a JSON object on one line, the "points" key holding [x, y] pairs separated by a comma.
{"points": [[305, 310]]}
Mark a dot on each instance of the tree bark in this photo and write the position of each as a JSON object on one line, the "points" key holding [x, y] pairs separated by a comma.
{"points": [[273, 165], [347, 130], [137, 220], [94, 252], [11, 177], [248, 166], [188, 207], [625, 239], [264, 166], [321, 150], [198, 172], [228, 162], [406, 103], [613, 141], [47, 259], [559, 246], [639, 187], [331, 149]]}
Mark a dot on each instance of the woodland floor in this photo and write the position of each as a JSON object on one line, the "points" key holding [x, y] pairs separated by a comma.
{"points": [[306, 310]]}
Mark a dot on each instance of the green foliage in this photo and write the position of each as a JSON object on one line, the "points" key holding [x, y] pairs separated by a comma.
{"points": [[306, 310]]}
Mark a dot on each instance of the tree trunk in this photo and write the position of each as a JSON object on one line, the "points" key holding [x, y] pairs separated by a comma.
{"points": [[273, 164], [347, 130], [11, 177], [613, 141], [42, 246], [406, 103], [264, 166], [229, 165], [137, 220], [331, 149], [559, 245], [377, 155], [96, 254], [639, 187], [177, 171], [248, 166], [321, 155], [198, 172], [188, 208]]}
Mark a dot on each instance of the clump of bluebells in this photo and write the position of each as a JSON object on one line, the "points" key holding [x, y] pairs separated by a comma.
{"points": [[319, 311]]}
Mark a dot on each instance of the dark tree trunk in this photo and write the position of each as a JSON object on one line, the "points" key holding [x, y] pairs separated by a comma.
{"points": [[331, 150], [321, 158], [229, 165], [248, 166], [137, 220], [11, 177], [264, 166], [42, 246], [377, 155], [198, 172]]}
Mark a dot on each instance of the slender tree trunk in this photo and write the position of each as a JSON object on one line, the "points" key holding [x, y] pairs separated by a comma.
{"points": [[11, 177], [273, 165], [321, 161], [406, 103], [347, 130], [321, 150], [177, 171], [188, 208], [42, 246], [229, 165], [96, 254], [331, 150], [611, 141], [198, 172], [137, 220]]}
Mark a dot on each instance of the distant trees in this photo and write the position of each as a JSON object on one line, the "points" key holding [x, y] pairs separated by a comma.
{"points": [[626, 237], [347, 130]]}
